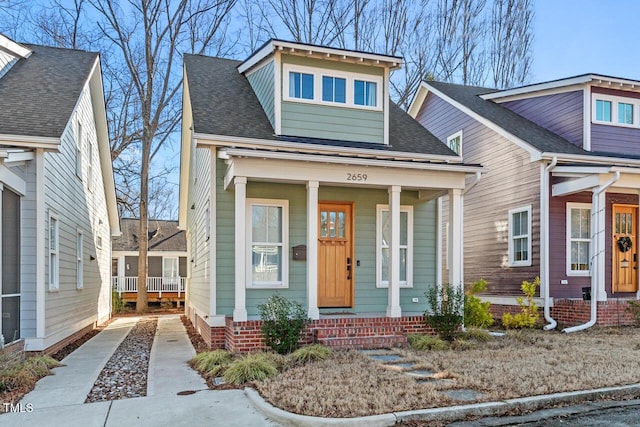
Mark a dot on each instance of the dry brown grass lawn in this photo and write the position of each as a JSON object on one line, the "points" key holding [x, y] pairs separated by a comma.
{"points": [[520, 364]]}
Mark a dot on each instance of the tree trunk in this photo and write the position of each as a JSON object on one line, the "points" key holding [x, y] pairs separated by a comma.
{"points": [[142, 300]]}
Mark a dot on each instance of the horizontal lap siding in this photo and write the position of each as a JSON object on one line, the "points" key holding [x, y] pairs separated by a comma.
{"points": [[28, 251], [262, 82], [511, 181], [6, 62], [561, 113], [615, 139]]}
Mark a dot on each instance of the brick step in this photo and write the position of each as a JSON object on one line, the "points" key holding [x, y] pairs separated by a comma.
{"points": [[365, 343], [362, 331]]}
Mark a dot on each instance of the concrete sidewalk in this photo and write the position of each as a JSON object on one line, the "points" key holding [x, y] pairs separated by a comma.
{"points": [[58, 400]]}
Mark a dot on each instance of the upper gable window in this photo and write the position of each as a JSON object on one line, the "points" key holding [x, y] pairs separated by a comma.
{"points": [[455, 142], [300, 85], [625, 113], [334, 89], [365, 93], [603, 110], [616, 110]]}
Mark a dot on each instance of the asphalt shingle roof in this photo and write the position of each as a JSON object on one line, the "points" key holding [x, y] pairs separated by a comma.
{"points": [[164, 236], [224, 103], [535, 135], [38, 94]]}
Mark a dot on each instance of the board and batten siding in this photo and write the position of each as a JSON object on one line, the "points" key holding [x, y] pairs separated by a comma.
{"points": [[77, 206], [262, 82], [511, 181], [368, 298], [327, 121], [200, 279], [561, 113], [6, 62]]}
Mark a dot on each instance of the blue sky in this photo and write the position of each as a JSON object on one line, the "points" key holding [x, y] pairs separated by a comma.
{"points": [[574, 37]]}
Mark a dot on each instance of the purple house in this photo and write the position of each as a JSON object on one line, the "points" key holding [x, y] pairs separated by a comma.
{"points": [[560, 198]]}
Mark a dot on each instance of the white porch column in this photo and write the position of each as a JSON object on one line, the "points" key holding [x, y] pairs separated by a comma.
{"points": [[240, 310], [393, 304], [455, 238], [598, 206], [312, 250]]}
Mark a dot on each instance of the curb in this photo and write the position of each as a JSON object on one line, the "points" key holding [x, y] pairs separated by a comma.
{"points": [[450, 413]]}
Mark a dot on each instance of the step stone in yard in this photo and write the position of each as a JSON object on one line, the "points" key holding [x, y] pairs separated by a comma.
{"points": [[399, 366], [385, 357]]}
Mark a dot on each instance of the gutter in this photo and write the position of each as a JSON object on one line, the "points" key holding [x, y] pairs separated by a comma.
{"points": [[473, 184], [545, 280], [595, 207]]}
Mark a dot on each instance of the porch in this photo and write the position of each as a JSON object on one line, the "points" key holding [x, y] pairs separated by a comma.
{"points": [[158, 288]]}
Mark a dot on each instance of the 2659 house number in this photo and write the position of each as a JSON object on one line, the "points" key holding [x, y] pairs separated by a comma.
{"points": [[359, 177]]}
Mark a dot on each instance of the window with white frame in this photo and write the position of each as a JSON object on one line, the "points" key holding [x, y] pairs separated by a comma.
{"points": [[54, 259], [578, 238], [79, 260], [267, 243], [603, 110], [616, 110], [89, 165], [79, 143], [625, 113], [383, 230], [455, 142], [520, 237], [332, 87]]}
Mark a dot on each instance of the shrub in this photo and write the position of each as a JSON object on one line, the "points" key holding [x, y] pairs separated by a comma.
{"points": [[478, 335], [211, 363], [476, 312], [426, 342], [282, 323], [633, 308], [528, 316], [447, 310], [22, 372], [252, 367], [117, 304], [310, 353]]}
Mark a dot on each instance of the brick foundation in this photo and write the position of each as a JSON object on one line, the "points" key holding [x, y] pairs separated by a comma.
{"points": [[343, 332]]}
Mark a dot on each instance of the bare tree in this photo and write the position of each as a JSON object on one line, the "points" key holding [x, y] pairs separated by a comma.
{"points": [[12, 14], [147, 36], [511, 42]]}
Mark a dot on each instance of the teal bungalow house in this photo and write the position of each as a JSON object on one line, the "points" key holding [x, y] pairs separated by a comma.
{"points": [[300, 176]]}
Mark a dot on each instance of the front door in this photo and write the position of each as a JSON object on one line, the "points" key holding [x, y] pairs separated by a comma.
{"points": [[625, 248], [335, 255]]}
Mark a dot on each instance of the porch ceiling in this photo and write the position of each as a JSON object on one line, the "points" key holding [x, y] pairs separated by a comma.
{"points": [[587, 178]]}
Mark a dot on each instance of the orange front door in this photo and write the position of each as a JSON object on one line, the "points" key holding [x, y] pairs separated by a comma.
{"points": [[335, 255], [625, 248]]}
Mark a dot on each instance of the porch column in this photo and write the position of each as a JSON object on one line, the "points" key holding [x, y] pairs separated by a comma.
{"points": [[455, 238], [393, 304], [240, 310], [598, 209], [312, 250]]}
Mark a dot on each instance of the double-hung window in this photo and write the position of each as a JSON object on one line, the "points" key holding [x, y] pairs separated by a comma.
{"points": [[383, 242], [365, 93], [520, 237], [79, 260], [79, 143], [300, 85], [334, 89], [578, 238], [54, 260], [267, 233]]}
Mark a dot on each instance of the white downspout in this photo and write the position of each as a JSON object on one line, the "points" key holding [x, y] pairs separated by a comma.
{"points": [[596, 251], [544, 214]]}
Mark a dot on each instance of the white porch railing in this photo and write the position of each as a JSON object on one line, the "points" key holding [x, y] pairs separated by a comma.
{"points": [[154, 284]]}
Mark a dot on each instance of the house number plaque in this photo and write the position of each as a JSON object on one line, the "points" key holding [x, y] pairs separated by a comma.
{"points": [[358, 177]]}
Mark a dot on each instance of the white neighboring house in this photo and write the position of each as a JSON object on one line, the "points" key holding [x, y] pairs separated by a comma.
{"points": [[58, 210]]}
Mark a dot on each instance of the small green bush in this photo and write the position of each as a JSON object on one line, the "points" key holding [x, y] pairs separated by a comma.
{"points": [[117, 304], [211, 363], [282, 323], [252, 367], [476, 312], [447, 310], [310, 353], [528, 316], [426, 342]]}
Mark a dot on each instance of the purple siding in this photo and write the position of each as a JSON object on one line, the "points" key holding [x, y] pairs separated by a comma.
{"points": [[557, 234], [560, 113], [511, 181], [615, 139]]}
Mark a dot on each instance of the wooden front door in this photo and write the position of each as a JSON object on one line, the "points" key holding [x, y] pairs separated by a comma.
{"points": [[335, 255], [625, 252]]}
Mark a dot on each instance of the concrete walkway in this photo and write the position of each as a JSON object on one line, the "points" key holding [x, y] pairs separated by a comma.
{"points": [[58, 400]]}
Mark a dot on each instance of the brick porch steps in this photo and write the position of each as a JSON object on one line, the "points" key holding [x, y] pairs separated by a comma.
{"points": [[363, 336], [365, 343]]}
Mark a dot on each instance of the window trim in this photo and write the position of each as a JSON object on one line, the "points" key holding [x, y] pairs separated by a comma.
{"points": [[403, 283], [319, 73], [79, 259], [79, 144], [615, 100], [452, 137], [512, 262], [89, 165], [281, 203], [54, 279], [177, 263], [569, 207]]}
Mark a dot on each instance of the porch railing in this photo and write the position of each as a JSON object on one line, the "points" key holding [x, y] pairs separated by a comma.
{"points": [[122, 284]]}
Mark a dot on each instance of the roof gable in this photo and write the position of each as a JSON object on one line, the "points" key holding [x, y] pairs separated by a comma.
{"points": [[163, 236]]}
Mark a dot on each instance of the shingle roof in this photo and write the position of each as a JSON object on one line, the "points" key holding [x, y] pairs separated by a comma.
{"points": [[223, 103], [538, 137], [38, 94], [164, 236]]}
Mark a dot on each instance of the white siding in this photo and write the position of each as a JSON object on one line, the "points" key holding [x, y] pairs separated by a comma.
{"points": [[28, 251], [69, 309], [201, 282], [6, 62]]}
